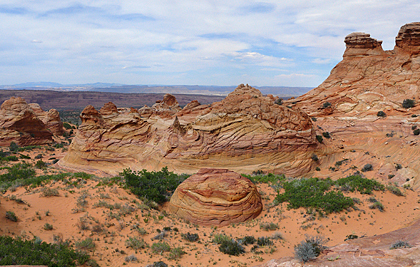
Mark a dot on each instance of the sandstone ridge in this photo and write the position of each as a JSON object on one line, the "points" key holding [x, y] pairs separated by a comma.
{"points": [[27, 124], [246, 131], [369, 79], [216, 197]]}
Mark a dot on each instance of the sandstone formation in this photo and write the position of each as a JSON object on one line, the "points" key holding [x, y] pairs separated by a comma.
{"points": [[246, 131], [27, 124], [216, 197], [369, 79]]}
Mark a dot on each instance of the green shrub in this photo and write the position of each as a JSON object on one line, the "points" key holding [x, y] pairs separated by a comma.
{"points": [[247, 240], [279, 101], [266, 178], [363, 185], [219, 238], [319, 138], [400, 244], [377, 205], [39, 156], [66, 126], [312, 192], [13, 147], [50, 192], [269, 226], [48, 227], [326, 135], [86, 244], [160, 247], [408, 103], [314, 157], [11, 158], [24, 156], [135, 243], [381, 114], [190, 237], [367, 167], [264, 241], [154, 186], [28, 252], [310, 248], [11, 216], [231, 247], [176, 253], [40, 164], [395, 190], [131, 258], [326, 105], [416, 132], [160, 264]]}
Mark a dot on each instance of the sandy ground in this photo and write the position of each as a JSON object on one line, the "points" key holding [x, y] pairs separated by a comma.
{"points": [[110, 227]]}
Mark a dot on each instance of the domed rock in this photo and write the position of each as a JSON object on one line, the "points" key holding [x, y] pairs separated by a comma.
{"points": [[216, 197]]}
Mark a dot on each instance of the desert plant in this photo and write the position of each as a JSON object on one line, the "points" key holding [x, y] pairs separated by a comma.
{"points": [[135, 243], [381, 114], [279, 101], [190, 237], [377, 205], [247, 240], [231, 247], [13, 147], [50, 192], [400, 244], [264, 241], [367, 167], [358, 183], [48, 227], [11, 216], [66, 126], [326, 105], [86, 244], [277, 235], [219, 238], [326, 135], [408, 103], [319, 138], [131, 258], [395, 190], [310, 248], [416, 132], [40, 164], [269, 226], [160, 247], [176, 253], [160, 264], [314, 157]]}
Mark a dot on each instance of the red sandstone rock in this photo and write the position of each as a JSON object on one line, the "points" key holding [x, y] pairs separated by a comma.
{"points": [[246, 131], [27, 124], [369, 79], [216, 197]]}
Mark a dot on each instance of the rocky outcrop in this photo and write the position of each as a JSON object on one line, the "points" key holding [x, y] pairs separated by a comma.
{"points": [[27, 124], [216, 197], [369, 251], [369, 79], [246, 131]]}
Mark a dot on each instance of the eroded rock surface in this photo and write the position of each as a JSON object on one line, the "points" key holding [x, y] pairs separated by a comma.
{"points": [[216, 197], [369, 79], [246, 131], [27, 124]]}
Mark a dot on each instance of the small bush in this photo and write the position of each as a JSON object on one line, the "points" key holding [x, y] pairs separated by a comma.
{"points": [[310, 248], [408, 103], [13, 147], [176, 253], [269, 226], [11, 216], [39, 156], [326, 135], [314, 157], [231, 247], [400, 244], [40, 164], [277, 235], [367, 167], [313, 119], [86, 244], [326, 105], [131, 258], [381, 114], [66, 126], [377, 205], [50, 192], [350, 237], [247, 240], [160, 247], [190, 237], [279, 101], [135, 243], [264, 241], [219, 238], [395, 190], [416, 132], [160, 264], [319, 138], [48, 227]]}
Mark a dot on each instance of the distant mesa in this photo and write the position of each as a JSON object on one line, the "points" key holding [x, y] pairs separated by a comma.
{"points": [[369, 79], [216, 197], [27, 124], [246, 131]]}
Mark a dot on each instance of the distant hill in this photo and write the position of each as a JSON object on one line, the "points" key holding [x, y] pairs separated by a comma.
{"points": [[281, 91]]}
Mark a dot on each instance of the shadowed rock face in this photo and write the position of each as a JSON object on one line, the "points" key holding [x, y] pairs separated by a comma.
{"points": [[216, 197], [246, 131], [27, 124], [369, 79]]}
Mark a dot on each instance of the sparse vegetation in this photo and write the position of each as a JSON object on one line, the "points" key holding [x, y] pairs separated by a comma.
{"points": [[395, 190], [400, 244], [190, 237], [326, 105], [408, 103], [326, 135], [11, 216], [86, 244], [310, 248], [160, 247], [269, 226], [381, 114], [231, 247], [135, 243], [319, 138]]}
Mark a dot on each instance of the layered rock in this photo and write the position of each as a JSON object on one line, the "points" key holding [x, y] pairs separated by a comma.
{"points": [[246, 131], [369, 79], [27, 124], [216, 197]]}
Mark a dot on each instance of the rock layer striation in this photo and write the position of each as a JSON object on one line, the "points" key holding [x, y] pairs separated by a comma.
{"points": [[246, 131], [216, 197]]}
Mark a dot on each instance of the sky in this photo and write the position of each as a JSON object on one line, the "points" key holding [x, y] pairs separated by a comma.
{"points": [[188, 42]]}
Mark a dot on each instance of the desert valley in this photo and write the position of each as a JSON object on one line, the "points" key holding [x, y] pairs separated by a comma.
{"points": [[329, 178]]}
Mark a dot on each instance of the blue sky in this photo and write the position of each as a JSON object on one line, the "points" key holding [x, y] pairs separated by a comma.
{"points": [[270, 43]]}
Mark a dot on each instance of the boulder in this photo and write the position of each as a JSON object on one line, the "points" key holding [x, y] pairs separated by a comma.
{"points": [[27, 124], [216, 197]]}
